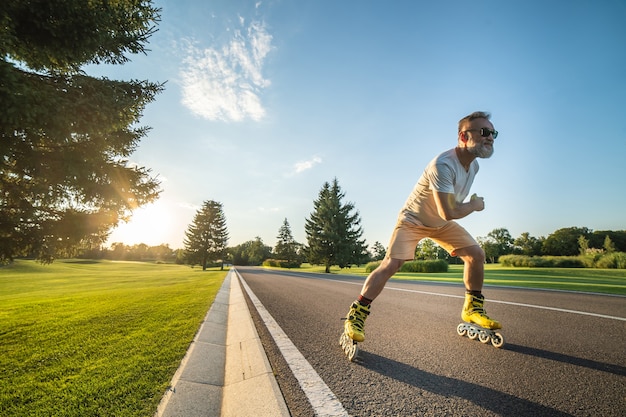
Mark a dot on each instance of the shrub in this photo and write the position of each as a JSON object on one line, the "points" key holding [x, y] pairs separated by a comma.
{"points": [[427, 266], [371, 266], [280, 263], [568, 262], [526, 261], [613, 260]]}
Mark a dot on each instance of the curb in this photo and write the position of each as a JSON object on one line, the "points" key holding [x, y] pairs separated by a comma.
{"points": [[225, 371]]}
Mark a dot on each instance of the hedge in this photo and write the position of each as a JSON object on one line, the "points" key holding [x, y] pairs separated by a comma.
{"points": [[427, 266]]}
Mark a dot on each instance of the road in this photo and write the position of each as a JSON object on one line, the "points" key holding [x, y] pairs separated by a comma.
{"points": [[564, 353]]}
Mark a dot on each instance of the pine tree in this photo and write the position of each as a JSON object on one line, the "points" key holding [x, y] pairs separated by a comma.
{"points": [[286, 248], [207, 235], [333, 231], [65, 137]]}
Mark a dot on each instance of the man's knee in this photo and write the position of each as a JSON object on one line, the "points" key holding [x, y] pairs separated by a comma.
{"points": [[472, 254], [390, 266]]}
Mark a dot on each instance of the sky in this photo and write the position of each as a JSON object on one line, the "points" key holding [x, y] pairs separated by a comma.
{"points": [[265, 101]]}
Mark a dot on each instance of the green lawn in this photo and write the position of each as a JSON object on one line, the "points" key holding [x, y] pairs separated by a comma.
{"points": [[610, 281], [86, 338]]}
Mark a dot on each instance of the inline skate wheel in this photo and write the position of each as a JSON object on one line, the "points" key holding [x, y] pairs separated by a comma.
{"points": [[461, 330], [472, 333], [483, 337], [497, 340]]}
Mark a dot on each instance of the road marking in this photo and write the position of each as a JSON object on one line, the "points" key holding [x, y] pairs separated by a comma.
{"points": [[322, 399], [562, 310]]}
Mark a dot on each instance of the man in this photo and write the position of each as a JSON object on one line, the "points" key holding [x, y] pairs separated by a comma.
{"points": [[429, 212]]}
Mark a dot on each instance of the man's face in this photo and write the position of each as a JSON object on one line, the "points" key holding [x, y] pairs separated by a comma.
{"points": [[477, 144]]}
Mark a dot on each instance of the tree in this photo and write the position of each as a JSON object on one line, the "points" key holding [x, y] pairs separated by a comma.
{"points": [[618, 237], [378, 251], [333, 230], [528, 245], [608, 246], [583, 244], [564, 242], [65, 137], [286, 247], [252, 252], [497, 243], [207, 235]]}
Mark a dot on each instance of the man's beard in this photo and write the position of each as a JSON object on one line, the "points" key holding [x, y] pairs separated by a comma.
{"points": [[481, 151]]}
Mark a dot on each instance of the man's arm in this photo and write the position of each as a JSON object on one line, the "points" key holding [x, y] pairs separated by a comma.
{"points": [[449, 209]]}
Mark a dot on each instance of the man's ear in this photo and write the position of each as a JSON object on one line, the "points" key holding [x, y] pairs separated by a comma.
{"points": [[463, 137]]}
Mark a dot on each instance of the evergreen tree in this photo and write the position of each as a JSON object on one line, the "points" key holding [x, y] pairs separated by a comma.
{"points": [[207, 236], [333, 230], [65, 137], [378, 251], [286, 248]]}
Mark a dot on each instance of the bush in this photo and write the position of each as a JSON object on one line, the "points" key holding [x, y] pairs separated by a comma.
{"points": [[613, 260], [427, 266], [371, 266], [568, 262], [279, 263], [526, 261]]}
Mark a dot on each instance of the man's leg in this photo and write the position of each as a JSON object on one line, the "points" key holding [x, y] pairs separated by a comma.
{"points": [[473, 277], [474, 269], [373, 286], [377, 279]]}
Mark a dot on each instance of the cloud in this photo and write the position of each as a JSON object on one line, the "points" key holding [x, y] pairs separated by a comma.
{"points": [[306, 165], [189, 206], [225, 84]]}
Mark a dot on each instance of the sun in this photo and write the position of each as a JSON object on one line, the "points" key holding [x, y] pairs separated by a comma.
{"points": [[149, 224]]}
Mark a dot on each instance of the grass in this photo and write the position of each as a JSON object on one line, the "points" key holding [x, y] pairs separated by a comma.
{"points": [[86, 338], [608, 281]]}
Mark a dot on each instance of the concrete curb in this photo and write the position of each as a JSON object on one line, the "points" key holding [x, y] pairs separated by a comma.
{"points": [[225, 371], [250, 388]]}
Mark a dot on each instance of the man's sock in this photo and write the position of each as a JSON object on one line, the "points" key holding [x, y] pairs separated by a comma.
{"points": [[364, 301]]}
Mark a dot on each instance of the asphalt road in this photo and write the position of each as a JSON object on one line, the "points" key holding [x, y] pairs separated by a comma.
{"points": [[564, 353]]}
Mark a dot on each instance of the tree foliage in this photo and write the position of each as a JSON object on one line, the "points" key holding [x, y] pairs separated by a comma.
{"points": [[528, 245], [564, 242], [378, 251], [252, 252], [333, 230], [286, 246], [207, 236], [65, 137]]}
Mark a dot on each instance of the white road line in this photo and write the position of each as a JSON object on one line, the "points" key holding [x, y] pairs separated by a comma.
{"points": [[323, 400], [562, 310]]}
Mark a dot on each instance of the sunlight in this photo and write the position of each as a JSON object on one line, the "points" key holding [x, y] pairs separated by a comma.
{"points": [[149, 224]]}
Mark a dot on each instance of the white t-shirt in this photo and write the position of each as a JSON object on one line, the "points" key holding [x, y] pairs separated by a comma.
{"points": [[445, 174]]}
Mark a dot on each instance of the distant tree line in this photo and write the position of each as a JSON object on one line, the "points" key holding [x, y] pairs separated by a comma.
{"points": [[334, 238]]}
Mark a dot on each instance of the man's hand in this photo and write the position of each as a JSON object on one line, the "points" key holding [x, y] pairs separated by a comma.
{"points": [[478, 203]]}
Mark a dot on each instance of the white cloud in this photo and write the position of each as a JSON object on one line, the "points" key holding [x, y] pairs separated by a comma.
{"points": [[189, 206], [306, 165], [225, 84]]}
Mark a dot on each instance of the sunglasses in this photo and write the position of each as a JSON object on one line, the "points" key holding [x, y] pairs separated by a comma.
{"points": [[484, 132]]}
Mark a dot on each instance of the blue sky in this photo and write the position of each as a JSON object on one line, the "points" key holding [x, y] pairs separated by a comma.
{"points": [[265, 101]]}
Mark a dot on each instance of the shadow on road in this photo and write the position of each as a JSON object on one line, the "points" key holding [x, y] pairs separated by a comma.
{"points": [[499, 402], [572, 360]]}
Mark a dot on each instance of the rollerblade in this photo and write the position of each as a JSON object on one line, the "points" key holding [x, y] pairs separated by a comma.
{"points": [[353, 330], [477, 324]]}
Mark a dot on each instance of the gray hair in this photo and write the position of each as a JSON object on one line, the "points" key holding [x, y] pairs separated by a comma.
{"points": [[470, 117]]}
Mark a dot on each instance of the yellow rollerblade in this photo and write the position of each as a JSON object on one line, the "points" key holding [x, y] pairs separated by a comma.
{"points": [[477, 323], [354, 329]]}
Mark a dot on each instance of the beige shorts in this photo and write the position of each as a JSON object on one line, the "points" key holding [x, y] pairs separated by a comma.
{"points": [[407, 235]]}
